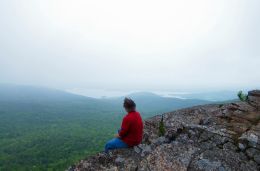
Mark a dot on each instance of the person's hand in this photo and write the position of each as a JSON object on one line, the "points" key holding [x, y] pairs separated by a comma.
{"points": [[116, 136]]}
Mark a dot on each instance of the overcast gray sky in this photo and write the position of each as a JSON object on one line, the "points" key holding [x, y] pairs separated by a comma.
{"points": [[132, 45]]}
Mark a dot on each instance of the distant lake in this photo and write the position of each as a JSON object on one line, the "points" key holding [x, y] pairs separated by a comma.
{"points": [[209, 95]]}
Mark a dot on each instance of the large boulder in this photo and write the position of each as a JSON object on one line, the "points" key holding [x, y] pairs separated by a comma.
{"points": [[254, 97]]}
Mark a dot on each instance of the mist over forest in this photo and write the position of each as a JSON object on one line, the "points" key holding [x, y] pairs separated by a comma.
{"points": [[66, 66]]}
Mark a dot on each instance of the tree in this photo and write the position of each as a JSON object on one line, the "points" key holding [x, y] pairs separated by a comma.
{"points": [[161, 128], [243, 97]]}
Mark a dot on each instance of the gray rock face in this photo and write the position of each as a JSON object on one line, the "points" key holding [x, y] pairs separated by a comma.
{"points": [[254, 97], [205, 164], [119, 160], [201, 138], [257, 158], [241, 146]]}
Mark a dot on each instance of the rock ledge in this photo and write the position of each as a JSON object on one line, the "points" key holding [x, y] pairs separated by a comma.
{"points": [[210, 137]]}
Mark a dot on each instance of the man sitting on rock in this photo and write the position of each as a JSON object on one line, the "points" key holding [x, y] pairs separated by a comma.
{"points": [[131, 131]]}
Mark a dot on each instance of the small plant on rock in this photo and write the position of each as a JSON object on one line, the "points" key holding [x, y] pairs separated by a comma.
{"points": [[220, 105], [243, 97], [161, 128]]}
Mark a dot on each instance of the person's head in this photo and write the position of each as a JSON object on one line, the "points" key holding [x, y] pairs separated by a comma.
{"points": [[129, 105]]}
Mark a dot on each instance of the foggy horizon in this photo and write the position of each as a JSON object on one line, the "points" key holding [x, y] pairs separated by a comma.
{"points": [[131, 46]]}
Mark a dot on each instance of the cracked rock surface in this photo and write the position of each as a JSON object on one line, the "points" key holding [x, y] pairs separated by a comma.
{"points": [[210, 137]]}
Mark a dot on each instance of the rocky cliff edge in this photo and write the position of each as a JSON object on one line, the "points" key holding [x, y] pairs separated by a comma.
{"points": [[211, 137]]}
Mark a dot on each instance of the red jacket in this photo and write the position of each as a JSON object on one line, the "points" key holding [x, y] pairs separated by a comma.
{"points": [[132, 129]]}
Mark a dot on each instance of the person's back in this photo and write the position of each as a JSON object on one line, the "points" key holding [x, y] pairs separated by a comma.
{"points": [[131, 131]]}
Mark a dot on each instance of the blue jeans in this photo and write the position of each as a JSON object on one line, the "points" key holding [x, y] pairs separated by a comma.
{"points": [[115, 143]]}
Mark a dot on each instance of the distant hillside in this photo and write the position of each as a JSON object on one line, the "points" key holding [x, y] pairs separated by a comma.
{"points": [[21, 98], [152, 103], [209, 96], [35, 94], [147, 103]]}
